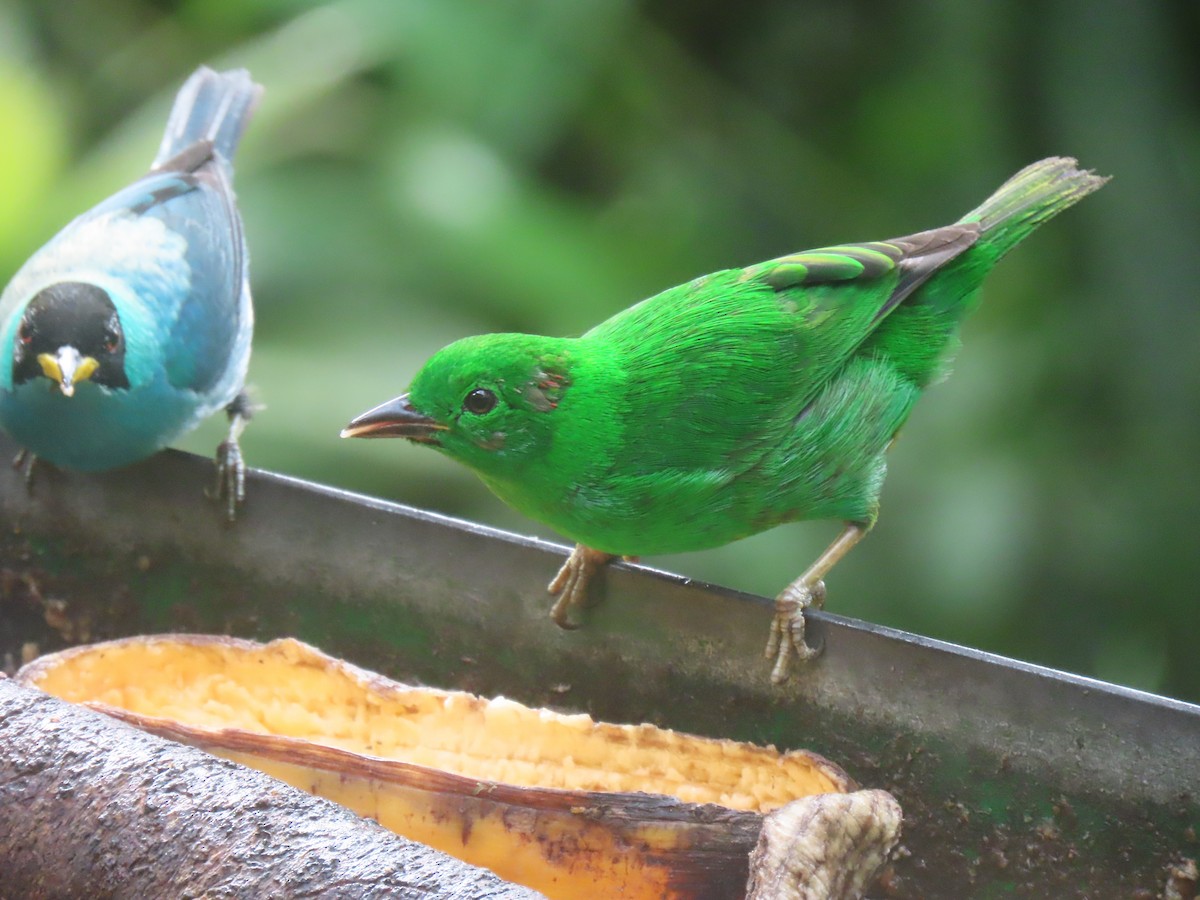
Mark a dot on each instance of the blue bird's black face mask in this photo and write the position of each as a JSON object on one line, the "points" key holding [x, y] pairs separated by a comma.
{"points": [[70, 333]]}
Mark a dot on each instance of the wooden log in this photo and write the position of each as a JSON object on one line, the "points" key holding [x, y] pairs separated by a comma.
{"points": [[560, 803], [90, 807]]}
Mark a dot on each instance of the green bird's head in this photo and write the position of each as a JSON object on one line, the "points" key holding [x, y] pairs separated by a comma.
{"points": [[486, 401]]}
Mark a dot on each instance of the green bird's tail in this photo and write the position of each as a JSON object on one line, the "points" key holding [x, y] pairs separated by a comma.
{"points": [[1031, 197], [920, 334]]}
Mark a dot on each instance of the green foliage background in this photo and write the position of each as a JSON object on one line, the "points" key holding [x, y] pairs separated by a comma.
{"points": [[425, 169]]}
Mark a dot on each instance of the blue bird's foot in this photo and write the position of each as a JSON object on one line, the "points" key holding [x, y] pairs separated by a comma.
{"points": [[571, 583], [231, 467], [786, 639], [231, 477], [27, 461]]}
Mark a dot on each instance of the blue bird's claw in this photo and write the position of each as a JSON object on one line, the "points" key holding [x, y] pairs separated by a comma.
{"points": [[27, 461], [231, 467], [231, 477]]}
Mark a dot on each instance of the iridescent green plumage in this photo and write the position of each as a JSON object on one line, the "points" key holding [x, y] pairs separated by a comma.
{"points": [[728, 405]]}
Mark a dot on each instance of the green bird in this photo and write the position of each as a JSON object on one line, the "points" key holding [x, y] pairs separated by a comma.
{"points": [[726, 406]]}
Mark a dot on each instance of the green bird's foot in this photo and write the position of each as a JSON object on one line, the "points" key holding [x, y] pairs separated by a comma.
{"points": [[571, 583], [787, 629], [27, 461]]}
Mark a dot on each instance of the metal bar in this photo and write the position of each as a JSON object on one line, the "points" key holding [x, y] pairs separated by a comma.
{"points": [[430, 598]]}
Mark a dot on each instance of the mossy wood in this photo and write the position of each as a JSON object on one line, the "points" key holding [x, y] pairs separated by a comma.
{"points": [[90, 807], [1015, 780], [560, 803]]}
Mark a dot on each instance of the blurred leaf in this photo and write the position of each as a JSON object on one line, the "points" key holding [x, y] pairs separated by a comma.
{"points": [[32, 155]]}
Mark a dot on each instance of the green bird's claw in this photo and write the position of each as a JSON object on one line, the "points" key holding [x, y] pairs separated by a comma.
{"points": [[571, 583], [786, 639]]}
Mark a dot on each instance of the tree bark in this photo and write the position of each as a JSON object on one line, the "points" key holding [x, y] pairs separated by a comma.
{"points": [[90, 807]]}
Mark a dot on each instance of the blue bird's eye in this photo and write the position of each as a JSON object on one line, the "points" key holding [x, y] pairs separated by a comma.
{"points": [[480, 401], [112, 335]]}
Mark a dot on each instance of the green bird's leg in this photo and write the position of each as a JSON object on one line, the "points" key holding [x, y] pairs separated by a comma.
{"points": [[787, 629], [571, 583]]}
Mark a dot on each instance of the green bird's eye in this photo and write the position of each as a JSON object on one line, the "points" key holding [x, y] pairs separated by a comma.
{"points": [[480, 401]]}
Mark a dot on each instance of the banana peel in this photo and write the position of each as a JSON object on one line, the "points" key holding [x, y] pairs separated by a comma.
{"points": [[561, 803]]}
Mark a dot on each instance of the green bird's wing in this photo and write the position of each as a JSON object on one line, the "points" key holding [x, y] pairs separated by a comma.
{"points": [[704, 384], [888, 269], [710, 369]]}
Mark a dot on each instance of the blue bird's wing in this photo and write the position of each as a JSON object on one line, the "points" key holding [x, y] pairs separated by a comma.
{"points": [[168, 248], [170, 251], [207, 345], [187, 286]]}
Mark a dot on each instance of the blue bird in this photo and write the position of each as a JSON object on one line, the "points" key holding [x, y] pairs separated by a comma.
{"points": [[134, 322]]}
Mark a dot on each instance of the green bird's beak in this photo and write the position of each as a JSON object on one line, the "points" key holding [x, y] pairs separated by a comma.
{"points": [[396, 418]]}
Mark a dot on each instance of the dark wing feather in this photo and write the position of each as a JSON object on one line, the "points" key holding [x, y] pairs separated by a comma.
{"points": [[190, 194], [916, 257]]}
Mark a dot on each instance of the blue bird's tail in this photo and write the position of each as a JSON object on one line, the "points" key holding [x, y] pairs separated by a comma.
{"points": [[211, 106]]}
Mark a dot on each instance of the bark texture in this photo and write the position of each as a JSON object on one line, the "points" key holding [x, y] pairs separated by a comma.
{"points": [[90, 807]]}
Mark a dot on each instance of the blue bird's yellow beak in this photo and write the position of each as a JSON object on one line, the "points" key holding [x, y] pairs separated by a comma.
{"points": [[67, 368], [396, 418]]}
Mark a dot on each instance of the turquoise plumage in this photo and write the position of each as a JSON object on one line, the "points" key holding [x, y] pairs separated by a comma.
{"points": [[134, 322]]}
